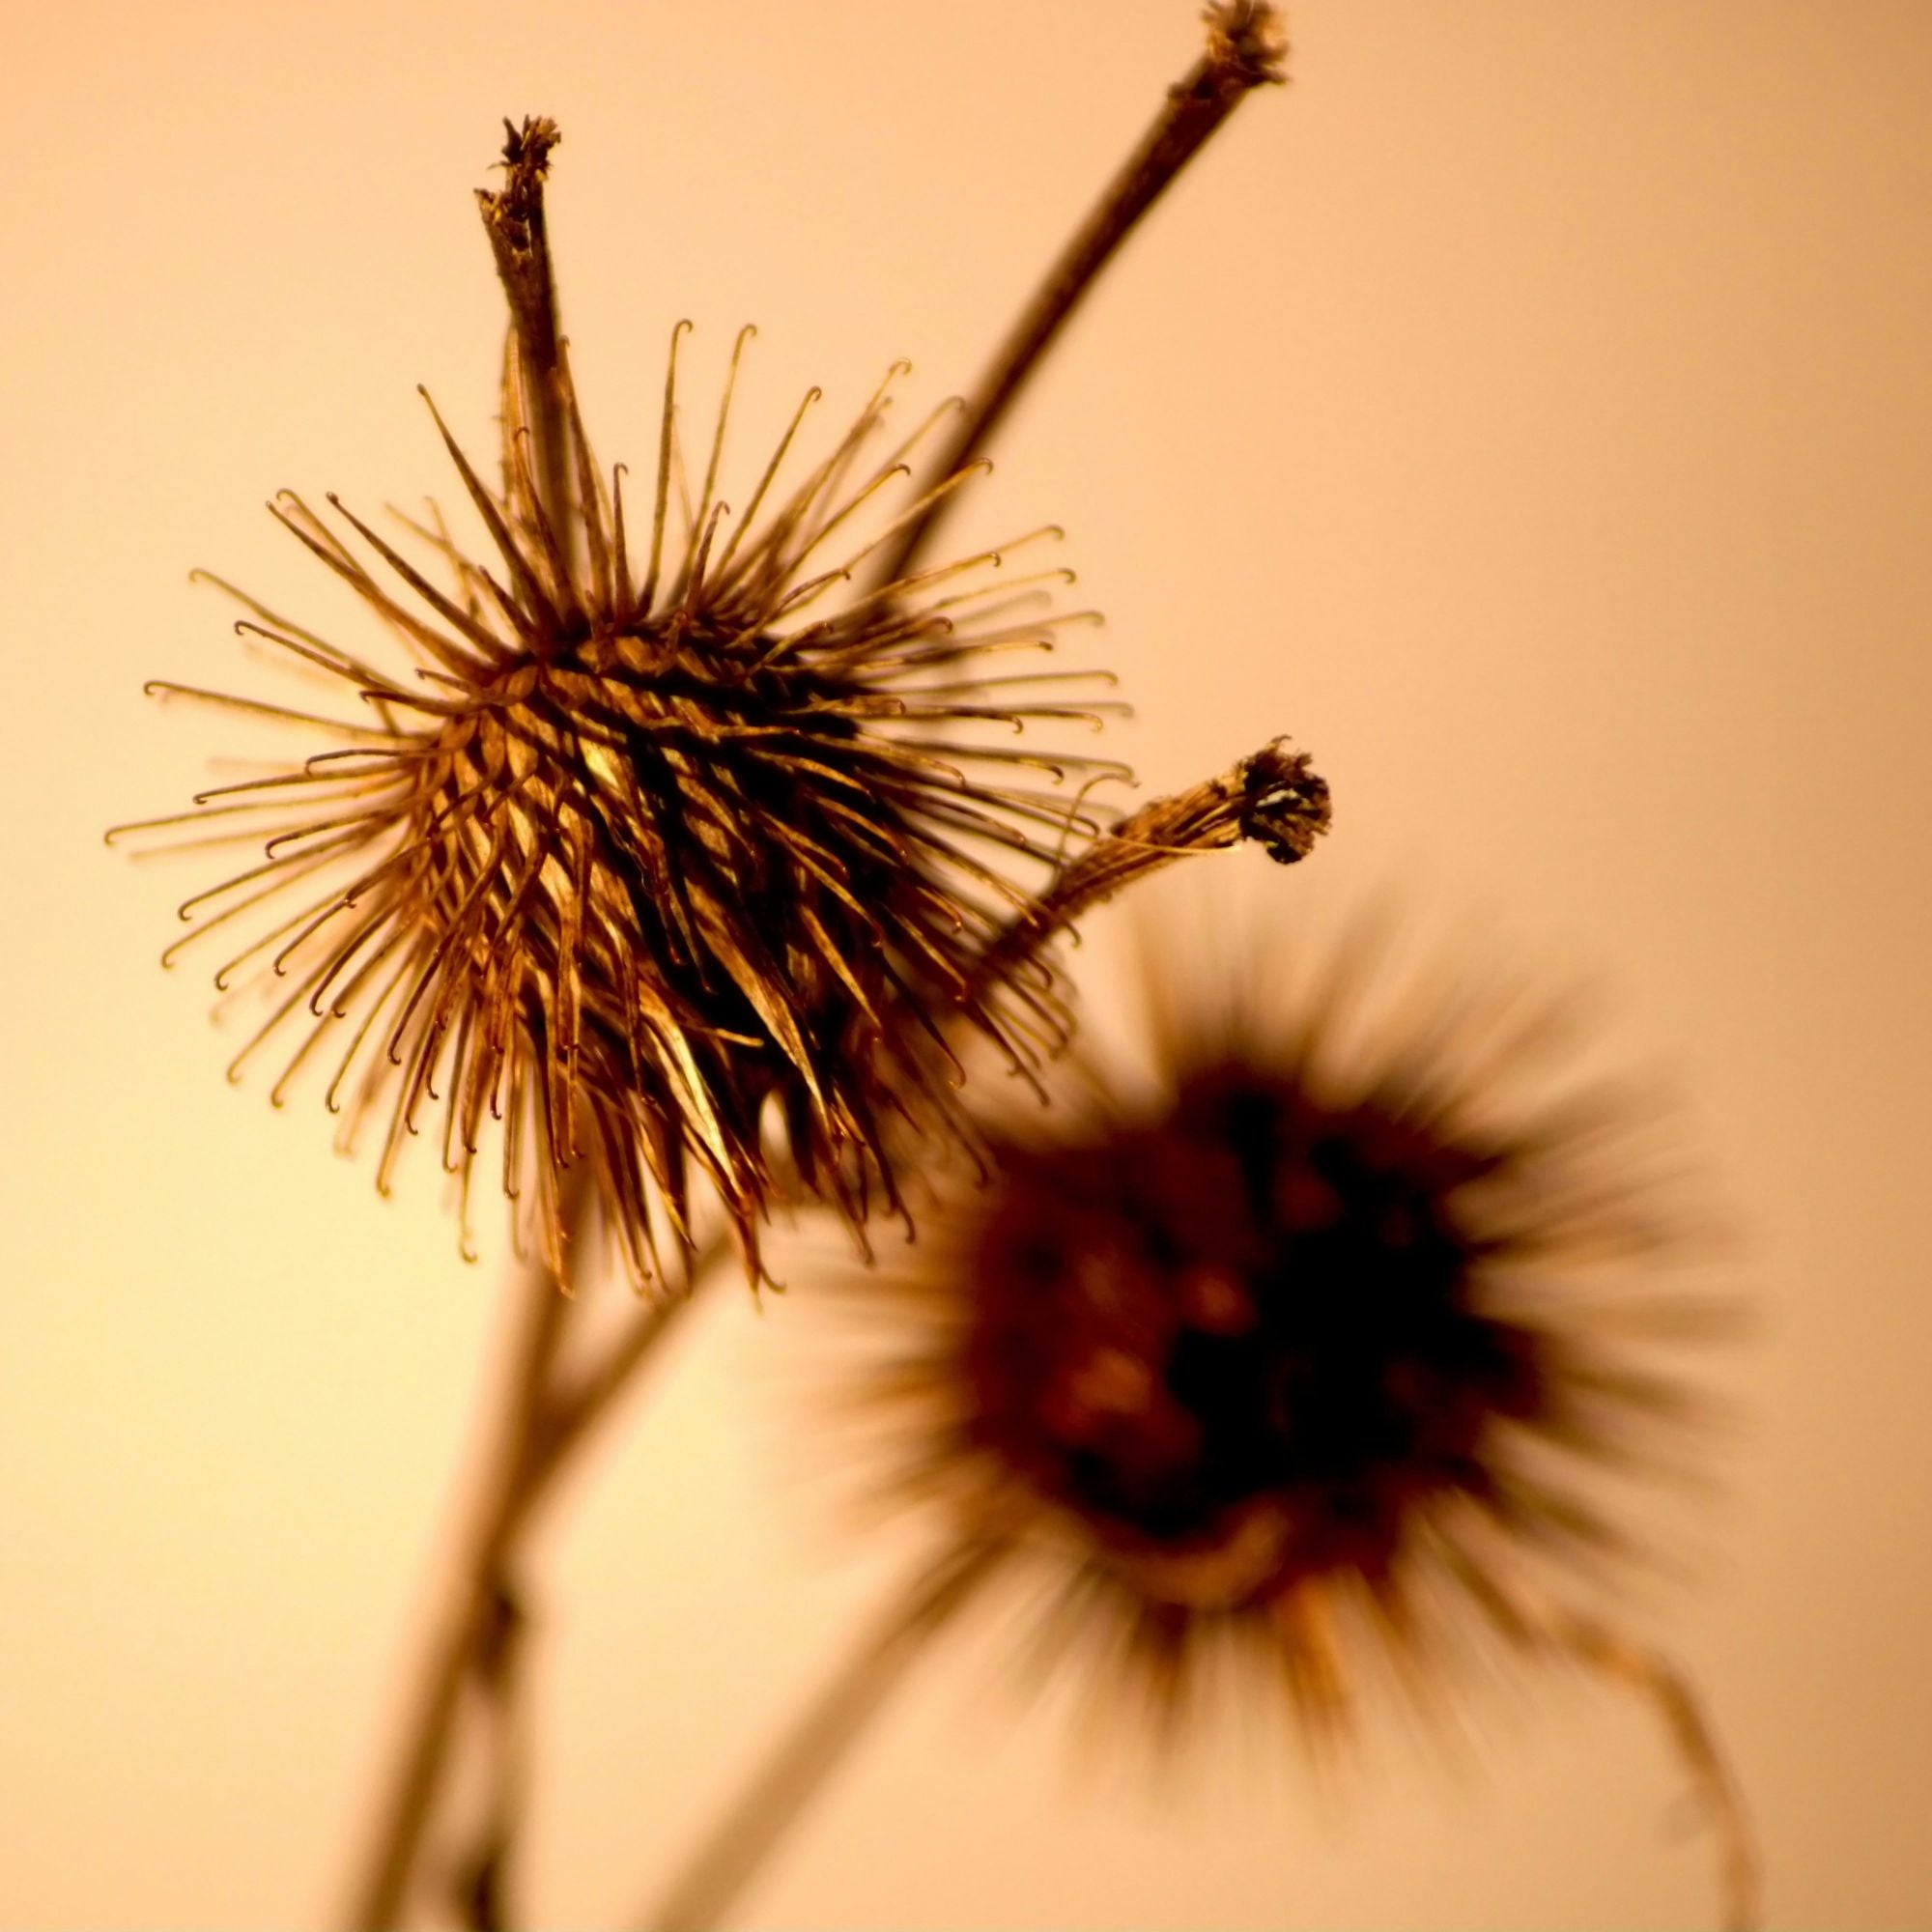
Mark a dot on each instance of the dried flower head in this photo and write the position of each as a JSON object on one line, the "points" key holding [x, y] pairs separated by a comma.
{"points": [[1325, 1338], [630, 852]]}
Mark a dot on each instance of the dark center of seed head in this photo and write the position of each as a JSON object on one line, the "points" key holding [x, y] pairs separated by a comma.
{"points": [[1255, 1298]]}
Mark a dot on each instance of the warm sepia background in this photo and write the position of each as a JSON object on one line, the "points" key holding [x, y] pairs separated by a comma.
{"points": [[1528, 409]]}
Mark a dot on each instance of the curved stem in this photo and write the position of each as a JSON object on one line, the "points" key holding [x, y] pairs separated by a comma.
{"points": [[1274, 798], [737, 1847], [1533, 1619]]}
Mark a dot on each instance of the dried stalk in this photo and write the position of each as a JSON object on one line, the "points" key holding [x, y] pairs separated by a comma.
{"points": [[735, 1850], [463, 1622], [1273, 799], [1539, 1623], [545, 1417], [520, 239], [1245, 51]]}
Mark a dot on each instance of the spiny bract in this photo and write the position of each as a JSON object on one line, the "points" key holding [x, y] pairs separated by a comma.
{"points": [[637, 850]]}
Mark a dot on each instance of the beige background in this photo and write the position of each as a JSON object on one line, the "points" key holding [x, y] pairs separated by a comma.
{"points": [[1529, 409]]}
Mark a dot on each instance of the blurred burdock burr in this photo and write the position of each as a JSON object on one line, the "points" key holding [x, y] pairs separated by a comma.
{"points": [[1329, 1333]]}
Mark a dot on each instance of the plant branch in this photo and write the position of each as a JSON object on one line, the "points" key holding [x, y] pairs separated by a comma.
{"points": [[483, 1879], [543, 1421], [1655, 1677], [1537, 1621], [1274, 799], [1245, 49], [520, 240], [739, 1844], [461, 1622]]}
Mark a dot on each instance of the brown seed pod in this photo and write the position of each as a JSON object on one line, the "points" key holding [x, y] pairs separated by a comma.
{"points": [[1328, 1328], [632, 848], [635, 853]]}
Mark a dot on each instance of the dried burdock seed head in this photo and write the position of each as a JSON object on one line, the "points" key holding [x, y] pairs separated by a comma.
{"points": [[1245, 39], [670, 842], [1333, 1324]]}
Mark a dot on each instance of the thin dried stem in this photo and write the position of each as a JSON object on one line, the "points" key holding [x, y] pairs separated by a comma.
{"points": [[1273, 798], [520, 240], [1535, 1620], [463, 1620], [750, 1829], [579, 1402], [1245, 49], [544, 1419], [483, 1877]]}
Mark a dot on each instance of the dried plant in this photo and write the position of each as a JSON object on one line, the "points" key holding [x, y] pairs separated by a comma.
{"points": [[682, 849], [637, 849], [679, 849], [1325, 1328]]}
